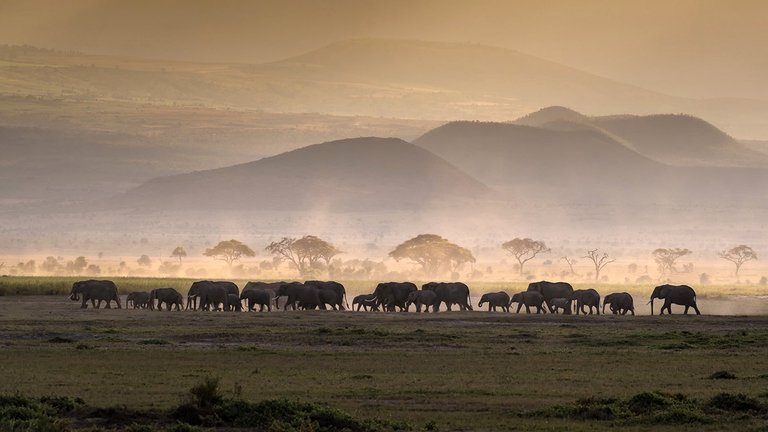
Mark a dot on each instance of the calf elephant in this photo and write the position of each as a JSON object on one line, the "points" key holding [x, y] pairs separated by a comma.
{"points": [[494, 300], [675, 294], [589, 298], [95, 290], [169, 296], [365, 301], [139, 299], [620, 303], [421, 298], [561, 303], [529, 298], [450, 293], [234, 303], [393, 294], [551, 290], [257, 296]]}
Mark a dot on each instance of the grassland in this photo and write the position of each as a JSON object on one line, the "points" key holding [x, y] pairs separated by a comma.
{"points": [[453, 371]]}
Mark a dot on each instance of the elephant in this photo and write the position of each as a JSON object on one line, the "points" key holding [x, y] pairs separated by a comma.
{"points": [[234, 303], [589, 298], [169, 296], [93, 290], [561, 303], [199, 288], [365, 301], [139, 299], [620, 303], [424, 298], [529, 298], [270, 287], [254, 296], [675, 294], [450, 293], [329, 297], [494, 300], [551, 290], [215, 295], [336, 287], [393, 294], [306, 294]]}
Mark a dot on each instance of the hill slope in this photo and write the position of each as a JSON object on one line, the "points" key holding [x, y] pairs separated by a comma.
{"points": [[679, 140], [583, 166], [361, 174]]}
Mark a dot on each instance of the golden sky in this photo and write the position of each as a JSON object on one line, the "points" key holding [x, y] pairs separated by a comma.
{"points": [[697, 48]]}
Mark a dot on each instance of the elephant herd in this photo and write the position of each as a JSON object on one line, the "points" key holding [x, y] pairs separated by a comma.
{"points": [[543, 296]]}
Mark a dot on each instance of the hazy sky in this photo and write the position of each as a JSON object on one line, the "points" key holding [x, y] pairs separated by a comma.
{"points": [[700, 48]]}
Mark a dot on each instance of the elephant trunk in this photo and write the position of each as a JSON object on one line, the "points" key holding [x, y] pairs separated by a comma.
{"points": [[651, 303]]}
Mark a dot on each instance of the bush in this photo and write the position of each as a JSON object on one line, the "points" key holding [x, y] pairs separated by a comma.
{"points": [[735, 403], [207, 393], [722, 375]]}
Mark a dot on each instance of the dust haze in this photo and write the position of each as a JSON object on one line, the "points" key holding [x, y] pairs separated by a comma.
{"points": [[128, 129]]}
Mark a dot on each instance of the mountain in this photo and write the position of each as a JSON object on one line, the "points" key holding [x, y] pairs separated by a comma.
{"points": [[361, 174], [680, 140], [584, 166]]}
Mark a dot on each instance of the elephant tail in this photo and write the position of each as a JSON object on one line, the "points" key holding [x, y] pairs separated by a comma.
{"points": [[345, 300]]}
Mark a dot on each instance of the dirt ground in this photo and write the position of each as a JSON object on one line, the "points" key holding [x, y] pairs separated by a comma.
{"points": [[462, 370]]}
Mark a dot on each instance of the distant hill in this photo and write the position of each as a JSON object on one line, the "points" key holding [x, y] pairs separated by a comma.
{"points": [[361, 174], [550, 114], [583, 166], [680, 140]]}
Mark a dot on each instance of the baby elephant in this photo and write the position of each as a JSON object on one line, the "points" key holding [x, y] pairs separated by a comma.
{"points": [[234, 303], [139, 300], [561, 303], [620, 303], [494, 300], [365, 301], [421, 297], [529, 298]]}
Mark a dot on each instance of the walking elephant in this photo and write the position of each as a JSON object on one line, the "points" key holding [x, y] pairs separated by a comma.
{"points": [[589, 298], [234, 303], [421, 298], [529, 299], [95, 290], [365, 301], [620, 303], [199, 288], [551, 290], [561, 303], [329, 297], [450, 293], [305, 294], [494, 300], [341, 292], [271, 288], [675, 294], [257, 296], [139, 299], [393, 294], [169, 296], [216, 296]]}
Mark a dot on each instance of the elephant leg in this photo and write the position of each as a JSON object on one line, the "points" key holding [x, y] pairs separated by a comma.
{"points": [[527, 309], [696, 309], [519, 306]]}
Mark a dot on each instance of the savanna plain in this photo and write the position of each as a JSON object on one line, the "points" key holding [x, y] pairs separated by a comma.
{"points": [[335, 370]]}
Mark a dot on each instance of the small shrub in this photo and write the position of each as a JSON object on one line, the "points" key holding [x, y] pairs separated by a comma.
{"points": [[59, 339], [722, 375], [207, 393], [735, 403], [154, 342], [647, 402]]}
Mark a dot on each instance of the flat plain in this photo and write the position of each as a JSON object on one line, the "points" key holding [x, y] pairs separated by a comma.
{"points": [[451, 370]]}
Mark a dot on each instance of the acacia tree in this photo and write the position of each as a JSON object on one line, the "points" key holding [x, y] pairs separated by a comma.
{"points": [[570, 262], [229, 251], [144, 260], [738, 255], [524, 250], [434, 253], [666, 258], [599, 261], [305, 253], [179, 253]]}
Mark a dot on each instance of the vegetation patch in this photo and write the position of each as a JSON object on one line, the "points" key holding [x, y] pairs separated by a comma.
{"points": [[59, 339], [153, 342], [722, 375]]}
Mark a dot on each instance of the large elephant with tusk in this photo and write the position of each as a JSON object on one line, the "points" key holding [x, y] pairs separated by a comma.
{"points": [[95, 290]]}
